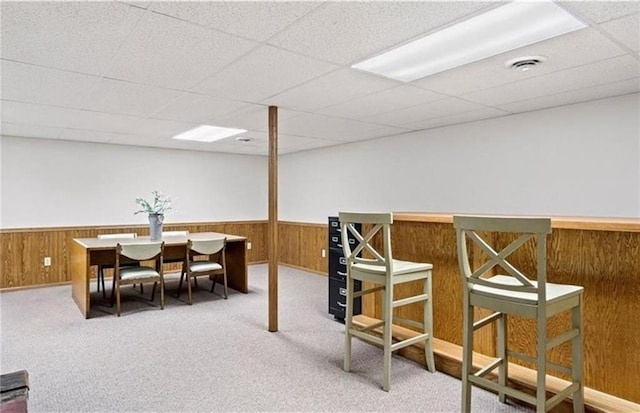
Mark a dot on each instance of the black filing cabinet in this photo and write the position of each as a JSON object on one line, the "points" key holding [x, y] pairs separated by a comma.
{"points": [[338, 273]]}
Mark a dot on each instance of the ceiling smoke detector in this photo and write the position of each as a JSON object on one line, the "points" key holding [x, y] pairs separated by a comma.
{"points": [[525, 63], [244, 139]]}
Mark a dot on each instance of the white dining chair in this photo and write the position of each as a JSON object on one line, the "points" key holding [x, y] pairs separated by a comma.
{"points": [[102, 267], [141, 251], [213, 266]]}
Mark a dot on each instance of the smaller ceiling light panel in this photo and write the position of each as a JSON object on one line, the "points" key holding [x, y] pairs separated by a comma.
{"points": [[514, 25], [206, 133]]}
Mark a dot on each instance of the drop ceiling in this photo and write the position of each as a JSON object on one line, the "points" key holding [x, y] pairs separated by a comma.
{"points": [[138, 73]]}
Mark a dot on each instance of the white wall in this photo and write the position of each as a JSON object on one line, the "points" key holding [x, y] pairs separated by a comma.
{"points": [[581, 160], [49, 183]]}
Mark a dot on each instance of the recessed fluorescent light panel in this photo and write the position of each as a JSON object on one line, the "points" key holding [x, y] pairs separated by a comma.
{"points": [[514, 25], [206, 133]]}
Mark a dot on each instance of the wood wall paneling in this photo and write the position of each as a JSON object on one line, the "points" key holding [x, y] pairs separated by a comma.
{"points": [[23, 250], [302, 245]]}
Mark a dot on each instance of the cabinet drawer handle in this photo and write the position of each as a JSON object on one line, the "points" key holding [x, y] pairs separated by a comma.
{"points": [[341, 305], [342, 273]]}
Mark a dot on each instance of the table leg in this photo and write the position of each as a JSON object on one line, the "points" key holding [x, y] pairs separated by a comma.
{"points": [[80, 274], [236, 260]]}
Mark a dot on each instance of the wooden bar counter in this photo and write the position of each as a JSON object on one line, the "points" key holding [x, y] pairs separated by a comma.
{"points": [[602, 255]]}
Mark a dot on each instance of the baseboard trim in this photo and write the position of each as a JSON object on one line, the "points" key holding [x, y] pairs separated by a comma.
{"points": [[297, 267]]}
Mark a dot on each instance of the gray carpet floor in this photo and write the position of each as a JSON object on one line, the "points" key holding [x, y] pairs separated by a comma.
{"points": [[216, 355]]}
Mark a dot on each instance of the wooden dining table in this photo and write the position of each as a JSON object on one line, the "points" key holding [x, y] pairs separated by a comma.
{"points": [[88, 252]]}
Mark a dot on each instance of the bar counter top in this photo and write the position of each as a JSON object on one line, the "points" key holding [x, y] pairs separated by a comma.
{"points": [[563, 222]]}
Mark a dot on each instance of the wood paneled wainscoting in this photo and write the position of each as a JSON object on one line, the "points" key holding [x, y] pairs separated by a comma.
{"points": [[23, 250], [301, 246]]}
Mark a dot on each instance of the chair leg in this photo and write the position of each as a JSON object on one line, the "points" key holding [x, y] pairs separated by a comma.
{"points": [[213, 282], [101, 278], [348, 323], [113, 289], [182, 275], [195, 281], [541, 382], [503, 369], [162, 293], [467, 354], [576, 358], [118, 299], [153, 290], [428, 325], [387, 309], [189, 289], [224, 278]]}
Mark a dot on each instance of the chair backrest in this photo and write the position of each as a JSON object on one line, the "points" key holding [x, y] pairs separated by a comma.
{"points": [[206, 246], [175, 233], [467, 227], [381, 222], [140, 251], [131, 235]]}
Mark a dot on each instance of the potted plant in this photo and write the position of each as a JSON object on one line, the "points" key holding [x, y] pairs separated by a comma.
{"points": [[155, 209]]}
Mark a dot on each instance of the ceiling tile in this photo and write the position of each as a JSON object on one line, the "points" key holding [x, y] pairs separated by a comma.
{"points": [[36, 115], [232, 147], [344, 32], [29, 131], [156, 54], [159, 128], [326, 127], [191, 107], [626, 30], [284, 141], [479, 114], [581, 95], [100, 121], [76, 36], [257, 20], [26, 113], [88, 136], [35, 84], [435, 109], [262, 73], [381, 102], [315, 144], [573, 49], [335, 87], [151, 142], [606, 71], [210, 49], [252, 117], [116, 96], [602, 11]]}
